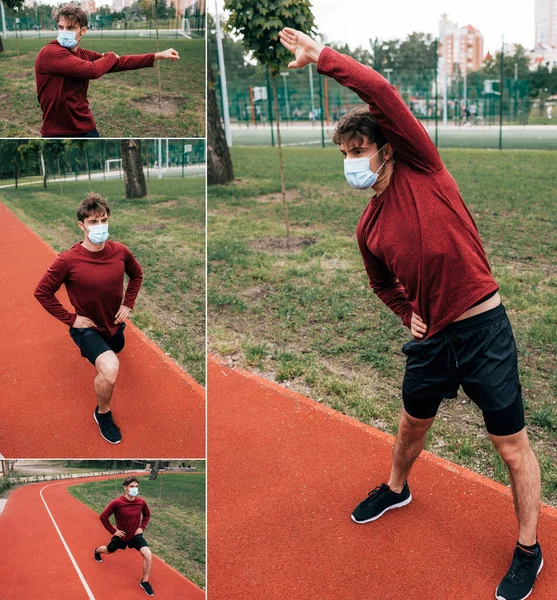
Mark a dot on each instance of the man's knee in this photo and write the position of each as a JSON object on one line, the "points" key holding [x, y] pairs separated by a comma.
{"points": [[412, 426], [107, 366], [513, 449], [146, 552]]}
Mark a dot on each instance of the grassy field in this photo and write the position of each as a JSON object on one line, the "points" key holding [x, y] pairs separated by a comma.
{"points": [[176, 532], [124, 104], [166, 233], [307, 318]]}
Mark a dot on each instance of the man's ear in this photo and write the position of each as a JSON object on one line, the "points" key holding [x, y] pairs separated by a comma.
{"points": [[388, 152]]}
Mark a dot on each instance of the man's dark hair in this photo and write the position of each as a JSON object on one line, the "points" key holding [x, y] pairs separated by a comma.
{"points": [[356, 125], [129, 480], [92, 204], [73, 13]]}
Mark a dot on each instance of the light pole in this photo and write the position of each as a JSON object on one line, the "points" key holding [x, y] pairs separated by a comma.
{"points": [[284, 75], [223, 88], [311, 89]]}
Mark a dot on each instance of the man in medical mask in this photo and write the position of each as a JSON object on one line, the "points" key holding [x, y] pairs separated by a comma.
{"points": [[93, 273], [425, 261], [132, 516], [63, 70]]}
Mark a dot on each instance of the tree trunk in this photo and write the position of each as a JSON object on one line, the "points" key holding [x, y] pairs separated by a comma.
{"points": [[281, 162], [219, 163], [134, 177], [154, 470]]}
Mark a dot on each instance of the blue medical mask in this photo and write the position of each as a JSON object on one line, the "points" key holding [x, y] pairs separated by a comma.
{"points": [[358, 173], [133, 492], [67, 39], [98, 233]]}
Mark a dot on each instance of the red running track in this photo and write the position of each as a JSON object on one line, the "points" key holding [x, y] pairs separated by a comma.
{"points": [[35, 564], [46, 388], [285, 475]]}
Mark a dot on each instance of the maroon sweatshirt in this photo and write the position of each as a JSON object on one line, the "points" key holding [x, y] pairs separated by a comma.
{"points": [[62, 82], [128, 515], [94, 282], [420, 245]]}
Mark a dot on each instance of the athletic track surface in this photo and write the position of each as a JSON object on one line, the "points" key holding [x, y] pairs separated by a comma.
{"points": [[40, 561], [285, 475], [46, 388]]}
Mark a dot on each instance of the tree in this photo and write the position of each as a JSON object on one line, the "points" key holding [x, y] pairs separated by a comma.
{"points": [[10, 159], [259, 22], [219, 163], [134, 177], [154, 470]]}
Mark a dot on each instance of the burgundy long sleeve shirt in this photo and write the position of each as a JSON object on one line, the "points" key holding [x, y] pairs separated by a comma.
{"points": [[94, 282], [420, 245], [129, 515], [63, 80]]}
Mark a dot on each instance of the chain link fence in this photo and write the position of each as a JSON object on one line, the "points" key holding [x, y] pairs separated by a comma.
{"points": [[459, 110]]}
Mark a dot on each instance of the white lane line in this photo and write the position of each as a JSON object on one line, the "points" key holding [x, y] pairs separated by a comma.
{"points": [[87, 588]]}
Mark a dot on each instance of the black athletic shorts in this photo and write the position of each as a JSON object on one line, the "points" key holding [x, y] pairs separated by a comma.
{"points": [[478, 353], [92, 344], [137, 542]]}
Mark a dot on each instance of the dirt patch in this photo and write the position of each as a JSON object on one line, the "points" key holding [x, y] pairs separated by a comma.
{"points": [[170, 105], [149, 227], [169, 204], [274, 244], [291, 196], [17, 75]]}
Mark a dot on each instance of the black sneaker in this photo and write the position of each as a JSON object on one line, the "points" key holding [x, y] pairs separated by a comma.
{"points": [[147, 588], [518, 582], [379, 501], [98, 556], [109, 429]]}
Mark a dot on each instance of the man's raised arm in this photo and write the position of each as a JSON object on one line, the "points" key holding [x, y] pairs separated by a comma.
{"points": [[141, 61], [399, 126]]}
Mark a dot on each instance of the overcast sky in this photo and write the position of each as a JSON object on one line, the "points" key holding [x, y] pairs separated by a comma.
{"points": [[356, 21]]}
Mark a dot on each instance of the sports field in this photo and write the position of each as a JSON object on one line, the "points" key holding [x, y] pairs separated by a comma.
{"points": [[123, 104], [305, 316], [518, 137]]}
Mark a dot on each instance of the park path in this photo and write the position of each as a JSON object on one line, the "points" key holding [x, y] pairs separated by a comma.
{"points": [[285, 474], [46, 388], [36, 564]]}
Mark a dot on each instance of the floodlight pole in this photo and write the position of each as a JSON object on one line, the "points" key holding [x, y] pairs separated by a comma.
{"points": [[160, 158], [311, 89], [4, 32], [223, 88]]}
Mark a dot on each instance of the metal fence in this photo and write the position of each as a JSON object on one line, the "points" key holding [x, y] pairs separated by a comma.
{"points": [[75, 159], [458, 110], [35, 24]]}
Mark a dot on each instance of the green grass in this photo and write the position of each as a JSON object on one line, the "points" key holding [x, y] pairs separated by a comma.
{"points": [[307, 316], [166, 233], [176, 531], [124, 104]]}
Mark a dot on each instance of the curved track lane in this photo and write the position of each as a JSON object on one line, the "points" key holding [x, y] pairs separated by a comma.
{"points": [[46, 388], [36, 563]]}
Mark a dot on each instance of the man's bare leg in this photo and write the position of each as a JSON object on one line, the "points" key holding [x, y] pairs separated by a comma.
{"points": [[107, 366], [524, 472], [410, 441], [147, 562]]}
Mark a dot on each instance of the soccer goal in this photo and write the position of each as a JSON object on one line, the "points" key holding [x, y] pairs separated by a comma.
{"points": [[109, 165]]}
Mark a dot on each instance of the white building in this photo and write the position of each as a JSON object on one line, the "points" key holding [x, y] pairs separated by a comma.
{"points": [[546, 22]]}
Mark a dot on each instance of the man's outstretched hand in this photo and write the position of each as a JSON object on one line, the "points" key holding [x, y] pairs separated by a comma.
{"points": [[169, 54], [302, 46]]}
